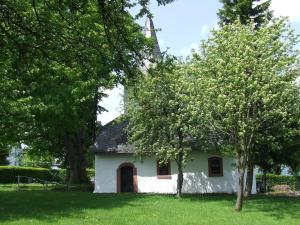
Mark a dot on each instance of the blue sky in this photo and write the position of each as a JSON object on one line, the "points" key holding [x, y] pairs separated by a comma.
{"points": [[183, 24]]}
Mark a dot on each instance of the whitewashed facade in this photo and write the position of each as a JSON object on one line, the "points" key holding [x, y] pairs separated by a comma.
{"points": [[196, 177]]}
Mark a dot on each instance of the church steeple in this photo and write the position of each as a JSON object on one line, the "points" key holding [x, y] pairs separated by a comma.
{"points": [[149, 32]]}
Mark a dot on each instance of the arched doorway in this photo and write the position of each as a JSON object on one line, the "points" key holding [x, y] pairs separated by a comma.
{"points": [[126, 178]]}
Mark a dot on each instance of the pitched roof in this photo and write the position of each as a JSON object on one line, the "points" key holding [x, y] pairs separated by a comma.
{"points": [[113, 138]]}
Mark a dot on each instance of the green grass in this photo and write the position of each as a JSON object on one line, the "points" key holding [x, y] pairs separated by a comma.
{"points": [[32, 206]]}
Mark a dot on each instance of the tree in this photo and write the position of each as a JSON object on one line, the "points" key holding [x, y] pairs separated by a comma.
{"points": [[30, 159], [291, 157], [158, 122], [56, 59], [245, 10], [247, 77], [271, 153]]}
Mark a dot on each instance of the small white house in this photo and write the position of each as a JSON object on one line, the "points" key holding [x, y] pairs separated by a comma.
{"points": [[117, 170]]}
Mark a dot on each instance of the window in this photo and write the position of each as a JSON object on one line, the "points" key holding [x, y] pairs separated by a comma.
{"points": [[215, 167], [164, 170]]}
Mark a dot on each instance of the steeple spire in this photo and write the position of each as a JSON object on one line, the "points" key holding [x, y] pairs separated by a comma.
{"points": [[149, 32]]}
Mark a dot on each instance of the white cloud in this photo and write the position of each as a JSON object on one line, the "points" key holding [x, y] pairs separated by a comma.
{"points": [[113, 105], [290, 8]]}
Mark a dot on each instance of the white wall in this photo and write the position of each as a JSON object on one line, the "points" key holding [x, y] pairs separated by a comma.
{"points": [[196, 178]]}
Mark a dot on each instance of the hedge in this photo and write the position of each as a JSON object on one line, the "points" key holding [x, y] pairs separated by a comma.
{"points": [[273, 180], [8, 174]]}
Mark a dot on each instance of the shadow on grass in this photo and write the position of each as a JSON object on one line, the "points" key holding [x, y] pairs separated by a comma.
{"points": [[278, 207], [274, 206], [52, 205]]}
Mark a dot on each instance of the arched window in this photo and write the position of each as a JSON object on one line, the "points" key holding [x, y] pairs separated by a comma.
{"points": [[215, 167], [163, 170]]}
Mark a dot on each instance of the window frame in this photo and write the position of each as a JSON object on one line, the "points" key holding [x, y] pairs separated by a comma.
{"points": [[210, 160], [159, 176]]}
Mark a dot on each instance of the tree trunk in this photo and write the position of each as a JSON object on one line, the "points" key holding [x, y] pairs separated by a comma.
{"points": [[240, 194], [179, 179], [76, 160], [249, 179], [240, 191], [179, 165], [77, 168], [277, 169]]}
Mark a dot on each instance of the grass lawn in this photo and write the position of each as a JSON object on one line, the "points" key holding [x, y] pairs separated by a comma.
{"points": [[33, 206]]}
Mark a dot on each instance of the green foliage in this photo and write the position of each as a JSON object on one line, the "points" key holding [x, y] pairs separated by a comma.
{"points": [[272, 180], [158, 121], [156, 113], [246, 78], [245, 89], [3, 157], [61, 174], [57, 58], [90, 172], [245, 10], [8, 174], [288, 155], [28, 159], [144, 5]]}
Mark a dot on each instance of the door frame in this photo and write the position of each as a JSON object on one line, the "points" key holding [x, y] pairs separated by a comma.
{"points": [[135, 182]]}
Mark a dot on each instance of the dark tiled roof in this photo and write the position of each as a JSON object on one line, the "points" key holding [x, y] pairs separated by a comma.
{"points": [[113, 138]]}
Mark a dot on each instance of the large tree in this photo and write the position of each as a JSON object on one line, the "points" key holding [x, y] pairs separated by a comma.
{"points": [[56, 59], [247, 76], [244, 10]]}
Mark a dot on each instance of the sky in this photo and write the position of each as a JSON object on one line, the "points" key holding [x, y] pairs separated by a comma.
{"points": [[183, 24]]}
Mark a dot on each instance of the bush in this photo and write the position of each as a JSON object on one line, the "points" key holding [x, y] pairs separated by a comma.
{"points": [[8, 174], [60, 175], [273, 180], [90, 173]]}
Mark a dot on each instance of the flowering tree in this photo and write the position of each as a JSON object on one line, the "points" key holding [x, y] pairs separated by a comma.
{"points": [[158, 117], [247, 77]]}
